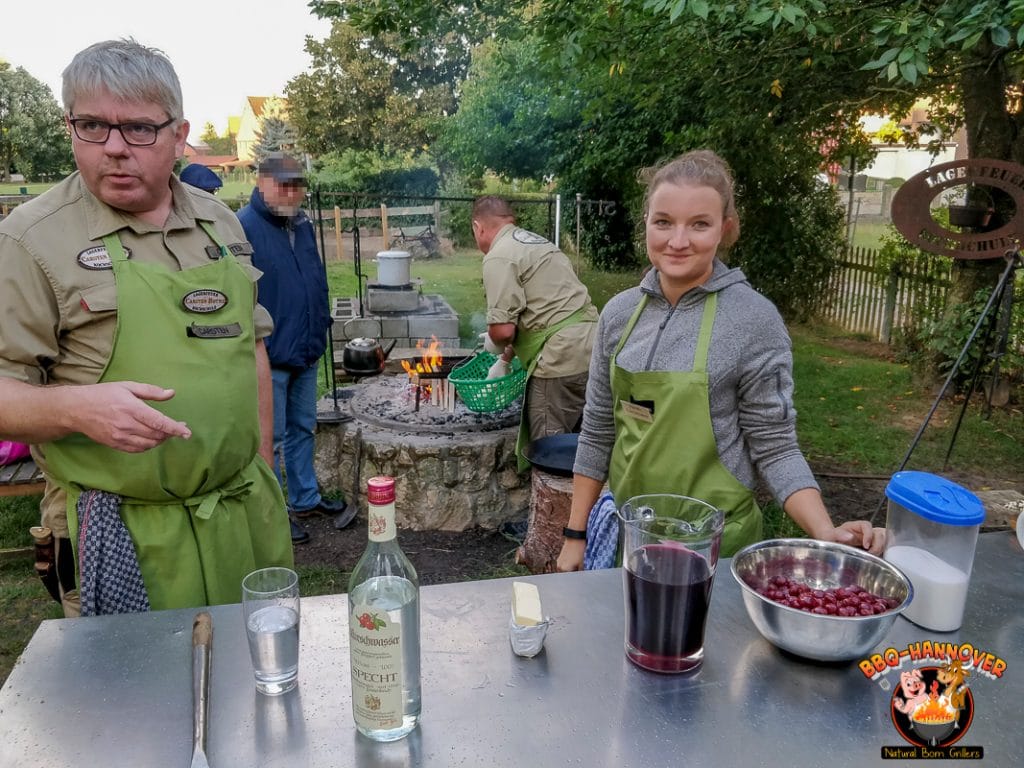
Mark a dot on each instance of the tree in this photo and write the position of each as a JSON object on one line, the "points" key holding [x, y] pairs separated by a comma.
{"points": [[373, 92], [770, 82], [219, 145], [33, 140], [512, 118], [276, 133]]}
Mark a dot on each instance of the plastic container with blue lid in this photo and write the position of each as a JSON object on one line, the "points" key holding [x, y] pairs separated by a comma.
{"points": [[931, 534]]}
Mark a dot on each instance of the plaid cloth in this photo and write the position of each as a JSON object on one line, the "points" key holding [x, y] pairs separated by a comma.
{"points": [[602, 534], [108, 566]]}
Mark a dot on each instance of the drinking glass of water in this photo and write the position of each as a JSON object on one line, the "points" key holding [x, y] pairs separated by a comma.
{"points": [[270, 606]]}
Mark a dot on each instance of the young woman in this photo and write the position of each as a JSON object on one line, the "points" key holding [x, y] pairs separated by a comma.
{"points": [[691, 384]]}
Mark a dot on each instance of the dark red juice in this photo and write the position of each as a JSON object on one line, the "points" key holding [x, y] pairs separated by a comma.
{"points": [[667, 589]]}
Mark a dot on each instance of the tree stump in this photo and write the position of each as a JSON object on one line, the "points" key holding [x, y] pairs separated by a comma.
{"points": [[550, 501]]}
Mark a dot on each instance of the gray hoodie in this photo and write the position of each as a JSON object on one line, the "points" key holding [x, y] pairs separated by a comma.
{"points": [[750, 369]]}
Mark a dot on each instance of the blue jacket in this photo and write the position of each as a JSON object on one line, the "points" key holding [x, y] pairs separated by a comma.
{"points": [[293, 287]]}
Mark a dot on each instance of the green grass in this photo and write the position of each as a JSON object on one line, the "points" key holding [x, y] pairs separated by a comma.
{"points": [[868, 234], [862, 412], [458, 278], [24, 602], [16, 187]]}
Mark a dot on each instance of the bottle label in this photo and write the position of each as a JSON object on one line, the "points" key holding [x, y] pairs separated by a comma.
{"points": [[382, 522], [375, 644]]}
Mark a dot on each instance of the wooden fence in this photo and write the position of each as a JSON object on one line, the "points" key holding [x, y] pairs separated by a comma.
{"points": [[861, 298], [340, 220]]}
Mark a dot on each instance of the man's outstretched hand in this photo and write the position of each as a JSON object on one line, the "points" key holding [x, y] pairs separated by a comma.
{"points": [[115, 414]]}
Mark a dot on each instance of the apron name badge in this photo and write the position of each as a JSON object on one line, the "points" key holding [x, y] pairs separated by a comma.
{"points": [[204, 301], [638, 412], [97, 258], [214, 331]]}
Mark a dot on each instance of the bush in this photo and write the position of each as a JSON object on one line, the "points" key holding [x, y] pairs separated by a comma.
{"points": [[532, 205], [789, 243], [360, 171]]}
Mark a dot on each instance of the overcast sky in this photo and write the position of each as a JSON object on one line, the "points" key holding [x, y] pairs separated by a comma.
{"points": [[222, 50]]}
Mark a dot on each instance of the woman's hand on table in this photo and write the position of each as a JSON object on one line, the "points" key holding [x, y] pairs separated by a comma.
{"points": [[571, 556], [859, 533]]}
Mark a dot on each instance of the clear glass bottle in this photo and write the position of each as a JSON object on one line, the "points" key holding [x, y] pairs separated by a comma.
{"points": [[384, 626]]}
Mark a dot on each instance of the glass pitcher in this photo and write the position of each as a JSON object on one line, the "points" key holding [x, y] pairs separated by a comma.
{"points": [[670, 550]]}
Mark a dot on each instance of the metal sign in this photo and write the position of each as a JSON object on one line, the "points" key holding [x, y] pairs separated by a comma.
{"points": [[911, 208]]}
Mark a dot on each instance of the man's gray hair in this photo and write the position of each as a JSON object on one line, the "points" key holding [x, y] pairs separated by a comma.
{"points": [[126, 70]]}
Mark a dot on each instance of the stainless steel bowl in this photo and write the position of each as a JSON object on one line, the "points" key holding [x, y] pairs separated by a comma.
{"points": [[820, 565]]}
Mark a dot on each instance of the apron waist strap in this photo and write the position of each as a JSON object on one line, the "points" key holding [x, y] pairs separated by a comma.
{"points": [[202, 505]]}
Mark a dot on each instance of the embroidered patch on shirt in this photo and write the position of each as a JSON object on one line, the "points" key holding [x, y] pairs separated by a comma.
{"points": [[527, 238], [240, 249], [204, 301], [97, 258]]}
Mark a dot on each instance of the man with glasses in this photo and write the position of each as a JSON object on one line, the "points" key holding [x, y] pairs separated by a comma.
{"points": [[132, 357], [293, 288]]}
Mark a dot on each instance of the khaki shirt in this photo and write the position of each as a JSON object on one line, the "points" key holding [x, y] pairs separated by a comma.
{"points": [[58, 300], [531, 283]]}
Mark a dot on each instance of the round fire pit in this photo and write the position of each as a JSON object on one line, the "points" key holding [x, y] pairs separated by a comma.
{"points": [[454, 469]]}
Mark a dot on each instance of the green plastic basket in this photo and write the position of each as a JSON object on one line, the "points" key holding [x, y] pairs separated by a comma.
{"points": [[485, 395]]}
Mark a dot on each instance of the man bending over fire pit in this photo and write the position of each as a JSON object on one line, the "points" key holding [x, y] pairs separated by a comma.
{"points": [[536, 303]]}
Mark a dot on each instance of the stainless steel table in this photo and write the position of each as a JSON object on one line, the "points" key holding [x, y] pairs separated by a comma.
{"points": [[116, 691]]}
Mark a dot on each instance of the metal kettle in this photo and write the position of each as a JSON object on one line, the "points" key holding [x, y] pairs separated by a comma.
{"points": [[365, 357]]}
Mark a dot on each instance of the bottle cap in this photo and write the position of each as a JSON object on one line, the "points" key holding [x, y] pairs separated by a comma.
{"points": [[380, 490]]}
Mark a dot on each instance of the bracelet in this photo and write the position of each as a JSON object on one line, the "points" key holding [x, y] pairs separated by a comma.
{"points": [[572, 533]]}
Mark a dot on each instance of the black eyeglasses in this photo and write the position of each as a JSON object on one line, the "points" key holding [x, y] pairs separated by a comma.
{"points": [[97, 132]]}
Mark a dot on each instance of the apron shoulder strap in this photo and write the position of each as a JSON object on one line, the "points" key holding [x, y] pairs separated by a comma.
{"points": [[707, 323], [212, 234], [114, 248], [629, 326], [528, 344]]}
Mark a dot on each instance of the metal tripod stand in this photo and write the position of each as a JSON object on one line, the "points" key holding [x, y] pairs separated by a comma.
{"points": [[1001, 298]]}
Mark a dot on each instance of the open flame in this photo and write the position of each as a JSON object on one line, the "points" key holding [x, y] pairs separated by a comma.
{"points": [[935, 711], [430, 361]]}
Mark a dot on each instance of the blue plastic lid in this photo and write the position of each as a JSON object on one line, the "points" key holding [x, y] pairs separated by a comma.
{"points": [[935, 498]]}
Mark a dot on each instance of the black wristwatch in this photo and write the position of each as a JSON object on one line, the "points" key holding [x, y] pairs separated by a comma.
{"points": [[572, 533]]}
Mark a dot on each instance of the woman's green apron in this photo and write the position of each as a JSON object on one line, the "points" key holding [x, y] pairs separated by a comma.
{"points": [[664, 442], [201, 512], [528, 346]]}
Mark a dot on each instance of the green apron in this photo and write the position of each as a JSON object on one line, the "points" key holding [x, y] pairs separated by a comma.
{"points": [[201, 512], [528, 346], [670, 447]]}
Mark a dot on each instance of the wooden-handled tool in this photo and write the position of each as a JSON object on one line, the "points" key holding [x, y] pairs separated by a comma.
{"points": [[202, 648]]}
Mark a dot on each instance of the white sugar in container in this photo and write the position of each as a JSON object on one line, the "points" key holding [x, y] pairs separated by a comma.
{"points": [[931, 533]]}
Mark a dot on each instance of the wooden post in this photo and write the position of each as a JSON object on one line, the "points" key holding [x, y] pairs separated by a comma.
{"points": [[550, 502], [384, 224], [337, 232], [437, 218], [890, 304]]}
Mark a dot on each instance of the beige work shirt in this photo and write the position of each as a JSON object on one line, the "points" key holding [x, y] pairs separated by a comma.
{"points": [[531, 283], [58, 299]]}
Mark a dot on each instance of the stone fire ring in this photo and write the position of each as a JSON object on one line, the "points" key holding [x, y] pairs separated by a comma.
{"points": [[453, 471]]}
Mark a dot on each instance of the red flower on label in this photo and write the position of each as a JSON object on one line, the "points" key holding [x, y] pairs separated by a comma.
{"points": [[372, 623]]}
